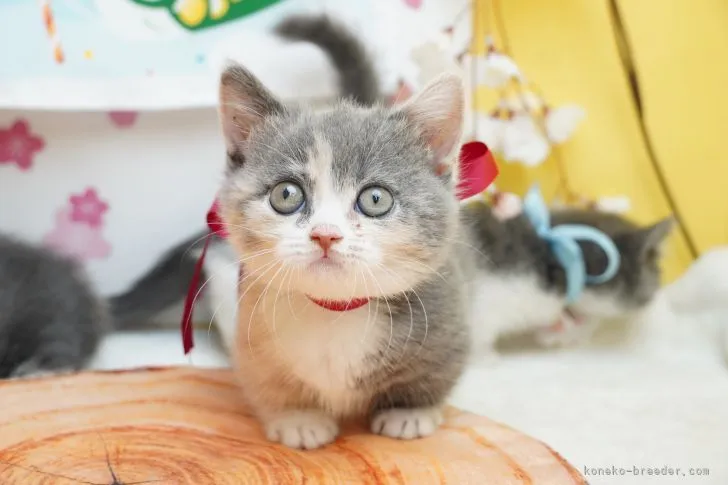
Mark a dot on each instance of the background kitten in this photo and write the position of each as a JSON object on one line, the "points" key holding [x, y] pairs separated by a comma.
{"points": [[50, 318], [523, 287]]}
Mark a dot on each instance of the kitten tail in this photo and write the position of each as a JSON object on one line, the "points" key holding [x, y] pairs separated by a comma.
{"points": [[165, 285], [357, 76]]}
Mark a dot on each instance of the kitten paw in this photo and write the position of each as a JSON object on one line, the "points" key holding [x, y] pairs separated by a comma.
{"points": [[549, 337], [565, 335], [407, 424], [302, 429]]}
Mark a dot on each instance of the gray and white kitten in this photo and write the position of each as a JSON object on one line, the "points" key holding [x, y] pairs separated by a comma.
{"points": [[351, 202], [523, 286], [50, 318], [359, 202]]}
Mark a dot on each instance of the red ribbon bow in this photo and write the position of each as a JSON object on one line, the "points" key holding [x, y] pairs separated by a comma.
{"points": [[477, 171]]}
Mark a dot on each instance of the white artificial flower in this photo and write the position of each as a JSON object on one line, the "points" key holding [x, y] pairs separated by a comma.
{"points": [[531, 102], [523, 142], [496, 69], [489, 130], [618, 204], [510, 104], [562, 121]]}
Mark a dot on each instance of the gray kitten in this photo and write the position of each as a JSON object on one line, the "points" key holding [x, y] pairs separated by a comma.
{"points": [[50, 319], [356, 202], [522, 286]]}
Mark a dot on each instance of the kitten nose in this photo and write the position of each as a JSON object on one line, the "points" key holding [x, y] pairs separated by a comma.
{"points": [[325, 235]]}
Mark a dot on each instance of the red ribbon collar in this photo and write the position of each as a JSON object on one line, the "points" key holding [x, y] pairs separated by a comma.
{"points": [[341, 306], [477, 172]]}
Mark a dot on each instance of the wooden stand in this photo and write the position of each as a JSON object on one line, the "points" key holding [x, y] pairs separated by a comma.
{"points": [[189, 426]]}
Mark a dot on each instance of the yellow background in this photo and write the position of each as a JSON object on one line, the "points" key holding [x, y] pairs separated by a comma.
{"points": [[583, 51]]}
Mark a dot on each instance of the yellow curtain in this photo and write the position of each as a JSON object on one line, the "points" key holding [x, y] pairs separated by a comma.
{"points": [[652, 77]]}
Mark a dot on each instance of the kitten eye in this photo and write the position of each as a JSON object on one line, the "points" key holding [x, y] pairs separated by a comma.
{"points": [[286, 198], [374, 201]]}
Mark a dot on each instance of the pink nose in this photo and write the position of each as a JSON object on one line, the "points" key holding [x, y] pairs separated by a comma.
{"points": [[325, 235]]}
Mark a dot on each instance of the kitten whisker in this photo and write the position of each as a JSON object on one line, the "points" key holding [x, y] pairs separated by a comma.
{"points": [[263, 271], [263, 295], [470, 246], [275, 303], [430, 269], [193, 244], [424, 311], [409, 304], [389, 308], [288, 292], [243, 228], [202, 287]]}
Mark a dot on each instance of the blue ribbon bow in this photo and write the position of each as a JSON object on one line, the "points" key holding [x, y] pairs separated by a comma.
{"points": [[563, 242]]}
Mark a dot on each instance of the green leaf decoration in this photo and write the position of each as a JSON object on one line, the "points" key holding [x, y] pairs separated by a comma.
{"points": [[203, 14]]}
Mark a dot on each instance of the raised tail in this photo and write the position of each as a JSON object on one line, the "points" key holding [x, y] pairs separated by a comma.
{"points": [[357, 76], [165, 285]]}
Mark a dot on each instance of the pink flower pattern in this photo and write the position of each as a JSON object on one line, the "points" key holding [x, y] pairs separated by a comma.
{"points": [[76, 240], [88, 208], [78, 230], [415, 4], [18, 145], [123, 119]]}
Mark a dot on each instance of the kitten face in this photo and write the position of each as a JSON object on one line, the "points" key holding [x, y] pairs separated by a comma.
{"points": [[638, 277], [640, 272], [340, 204]]}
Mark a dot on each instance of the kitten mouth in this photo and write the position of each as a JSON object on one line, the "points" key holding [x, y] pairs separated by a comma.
{"points": [[325, 263]]}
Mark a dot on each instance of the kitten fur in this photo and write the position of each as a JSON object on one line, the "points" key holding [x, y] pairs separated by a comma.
{"points": [[50, 318], [395, 360], [519, 267], [356, 74]]}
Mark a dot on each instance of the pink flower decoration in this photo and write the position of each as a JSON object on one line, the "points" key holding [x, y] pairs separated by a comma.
{"points": [[88, 208], [123, 119], [78, 241], [18, 145], [416, 4]]}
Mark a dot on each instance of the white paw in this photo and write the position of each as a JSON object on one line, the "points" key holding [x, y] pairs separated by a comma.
{"points": [[302, 429], [407, 424]]}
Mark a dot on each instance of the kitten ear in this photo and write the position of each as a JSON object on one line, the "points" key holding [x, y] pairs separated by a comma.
{"points": [[438, 112], [244, 103], [652, 238]]}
